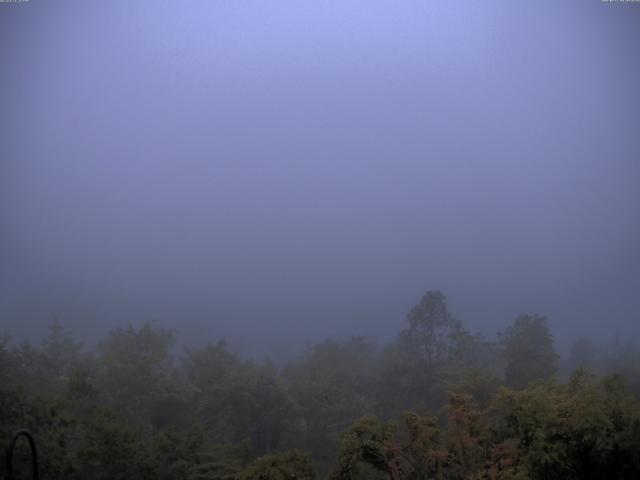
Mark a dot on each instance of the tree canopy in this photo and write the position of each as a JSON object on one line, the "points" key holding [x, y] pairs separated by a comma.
{"points": [[435, 402]]}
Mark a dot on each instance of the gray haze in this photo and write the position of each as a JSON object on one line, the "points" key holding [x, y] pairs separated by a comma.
{"points": [[277, 172]]}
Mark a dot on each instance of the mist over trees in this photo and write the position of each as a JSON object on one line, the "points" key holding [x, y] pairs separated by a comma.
{"points": [[436, 402], [222, 224]]}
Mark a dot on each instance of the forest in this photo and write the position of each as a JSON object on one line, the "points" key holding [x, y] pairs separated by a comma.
{"points": [[320, 240], [436, 402]]}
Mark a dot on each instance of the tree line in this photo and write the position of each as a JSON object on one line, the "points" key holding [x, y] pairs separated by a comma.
{"points": [[437, 402]]}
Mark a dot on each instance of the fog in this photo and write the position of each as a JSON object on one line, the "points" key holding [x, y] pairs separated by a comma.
{"points": [[281, 172]]}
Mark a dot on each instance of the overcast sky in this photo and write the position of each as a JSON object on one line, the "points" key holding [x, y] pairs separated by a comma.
{"points": [[281, 171]]}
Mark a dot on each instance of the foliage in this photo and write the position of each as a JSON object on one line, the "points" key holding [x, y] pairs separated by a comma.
{"points": [[292, 464], [332, 384], [436, 403], [528, 349]]}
